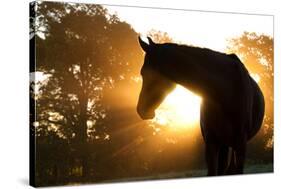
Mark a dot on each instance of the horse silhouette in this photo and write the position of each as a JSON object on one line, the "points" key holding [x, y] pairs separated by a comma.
{"points": [[232, 106]]}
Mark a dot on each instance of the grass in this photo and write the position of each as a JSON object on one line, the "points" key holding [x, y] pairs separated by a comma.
{"points": [[249, 169]]}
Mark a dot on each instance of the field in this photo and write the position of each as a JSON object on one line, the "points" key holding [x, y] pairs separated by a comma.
{"points": [[249, 169]]}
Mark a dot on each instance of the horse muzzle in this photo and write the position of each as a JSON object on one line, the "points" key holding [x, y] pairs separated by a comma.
{"points": [[145, 114]]}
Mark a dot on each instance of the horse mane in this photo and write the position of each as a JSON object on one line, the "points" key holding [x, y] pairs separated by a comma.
{"points": [[228, 66], [194, 50], [187, 50]]}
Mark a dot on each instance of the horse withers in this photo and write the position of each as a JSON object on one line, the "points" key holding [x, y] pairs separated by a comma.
{"points": [[232, 106]]}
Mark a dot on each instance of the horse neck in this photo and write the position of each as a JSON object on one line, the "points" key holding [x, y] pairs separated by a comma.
{"points": [[197, 72]]}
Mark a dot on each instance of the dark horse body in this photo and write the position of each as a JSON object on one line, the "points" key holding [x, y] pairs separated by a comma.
{"points": [[232, 108]]}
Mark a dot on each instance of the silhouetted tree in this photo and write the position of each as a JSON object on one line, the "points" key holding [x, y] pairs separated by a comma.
{"points": [[82, 51]]}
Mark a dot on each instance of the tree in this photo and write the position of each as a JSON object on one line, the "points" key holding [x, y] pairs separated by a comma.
{"points": [[83, 51]]}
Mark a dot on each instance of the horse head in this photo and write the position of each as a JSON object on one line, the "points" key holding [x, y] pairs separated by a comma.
{"points": [[155, 86]]}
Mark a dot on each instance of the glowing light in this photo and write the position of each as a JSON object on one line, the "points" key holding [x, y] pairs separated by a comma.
{"points": [[181, 109], [256, 77]]}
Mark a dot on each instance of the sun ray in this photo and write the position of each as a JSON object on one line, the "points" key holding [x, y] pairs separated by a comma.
{"points": [[180, 109]]}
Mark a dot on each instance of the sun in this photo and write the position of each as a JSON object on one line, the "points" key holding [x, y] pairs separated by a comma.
{"points": [[180, 109]]}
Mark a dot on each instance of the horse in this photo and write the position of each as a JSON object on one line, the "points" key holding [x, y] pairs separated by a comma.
{"points": [[232, 106]]}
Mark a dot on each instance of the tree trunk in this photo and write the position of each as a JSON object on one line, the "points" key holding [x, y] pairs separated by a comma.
{"points": [[81, 138]]}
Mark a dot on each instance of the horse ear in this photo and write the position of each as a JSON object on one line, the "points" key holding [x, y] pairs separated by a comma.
{"points": [[150, 41], [143, 45]]}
